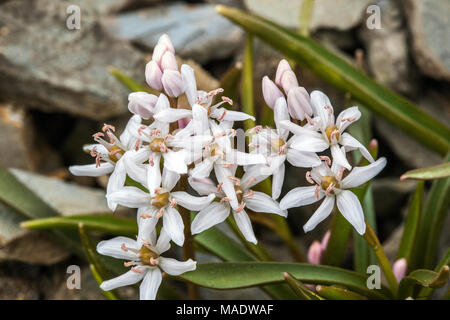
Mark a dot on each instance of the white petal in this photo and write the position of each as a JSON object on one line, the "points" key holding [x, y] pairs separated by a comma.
{"points": [[130, 197], [253, 176], [154, 174], [172, 114], [245, 225], [352, 113], [150, 284], [125, 279], [360, 175], [113, 248], [231, 115], [340, 156], [200, 119], [162, 103], [203, 186], [277, 181], [188, 76], [174, 226], [280, 112], [175, 161], [127, 138], [309, 143], [300, 196], [350, 207], [163, 243], [213, 214], [189, 202], [261, 202], [320, 214], [350, 143], [302, 159], [137, 171], [175, 267], [320, 102], [91, 170], [116, 182], [169, 179], [299, 130], [147, 227], [202, 169], [222, 175], [243, 158]]}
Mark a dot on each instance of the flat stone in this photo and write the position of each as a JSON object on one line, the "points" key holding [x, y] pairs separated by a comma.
{"points": [[57, 69], [428, 22], [340, 15], [196, 31]]}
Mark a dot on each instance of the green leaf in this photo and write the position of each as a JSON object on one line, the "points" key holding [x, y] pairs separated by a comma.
{"points": [[300, 289], [107, 223], [424, 278], [129, 83], [234, 275], [435, 172], [445, 261], [306, 12], [330, 67], [411, 224], [432, 222], [247, 98], [338, 293], [99, 270]]}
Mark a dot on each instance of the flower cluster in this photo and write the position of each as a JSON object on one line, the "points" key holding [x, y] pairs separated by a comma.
{"points": [[166, 147]]}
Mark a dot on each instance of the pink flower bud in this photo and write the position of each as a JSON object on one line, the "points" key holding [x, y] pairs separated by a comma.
{"points": [[315, 253], [399, 268], [153, 75], [182, 123], [158, 53], [288, 81], [282, 67], [299, 103], [142, 104], [270, 92], [172, 83], [168, 61], [165, 40]]}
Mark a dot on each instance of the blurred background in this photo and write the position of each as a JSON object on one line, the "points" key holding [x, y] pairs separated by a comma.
{"points": [[56, 91]]}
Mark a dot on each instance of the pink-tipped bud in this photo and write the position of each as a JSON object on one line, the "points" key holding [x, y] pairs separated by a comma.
{"points": [[164, 45], [168, 61], [270, 92], [288, 81], [315, 253], [282, 67], [172, 83], [153, 75], [399, 268], [165, 40], [325, 239], [142, 104], [299, 103]]}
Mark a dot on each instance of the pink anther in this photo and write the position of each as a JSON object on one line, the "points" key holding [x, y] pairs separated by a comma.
{"points": [[236, 181], [222, 116], [107, 127], [316, 191], [160, 213], [329, 189], [136, 270], [173, 203], [228, 100], [325, 158], [225, 199], [240, 208], [219, 187], [308, 177], [330, 110], [249, 194], [340, 173]]}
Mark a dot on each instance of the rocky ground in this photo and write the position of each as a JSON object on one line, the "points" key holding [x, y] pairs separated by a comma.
{"points": [[55, 91]]}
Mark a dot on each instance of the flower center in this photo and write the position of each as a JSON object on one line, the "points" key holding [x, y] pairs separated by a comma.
{"points": [[327, 181], [215, 150], [146, 255], [277, 144], [329, 132], [239, 193], [160, 200], [113, 151], [155, 145]]}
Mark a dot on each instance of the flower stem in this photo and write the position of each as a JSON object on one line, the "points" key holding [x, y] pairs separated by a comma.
{"points": [[375, 244]]}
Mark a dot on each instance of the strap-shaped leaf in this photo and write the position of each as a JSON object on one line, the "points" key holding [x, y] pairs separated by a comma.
{"points": [[435, 172], [327, 65], [301, 290], [424, 278], [338, 293], [234, 275]]}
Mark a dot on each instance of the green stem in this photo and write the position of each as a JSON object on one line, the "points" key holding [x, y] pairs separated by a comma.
{"points": [[375, 244]]}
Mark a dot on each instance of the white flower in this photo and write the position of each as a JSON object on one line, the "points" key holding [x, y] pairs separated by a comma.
{"points": [[274, 145], [329, 184], [161, 201], [217, 212], [331, 132], [144, 257]]}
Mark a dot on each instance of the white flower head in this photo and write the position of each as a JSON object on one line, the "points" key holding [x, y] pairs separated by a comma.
{"points": [[330, 185], [144, 257]]}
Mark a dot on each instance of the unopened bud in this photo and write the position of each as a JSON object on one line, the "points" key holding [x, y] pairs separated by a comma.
{"points": [[299, 103], [168, 61], [270, 92], [172, 83], [282, 67], [142, 104], [399, 268], [164, 45], [165, 40], [288, 81], [153, 75], [315, 253], [325, 239]]}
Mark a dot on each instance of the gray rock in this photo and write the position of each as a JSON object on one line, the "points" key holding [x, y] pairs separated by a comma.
{"points": [[387, 48], [428, 22], [196, 31], [340, 15], [57, 69]]}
